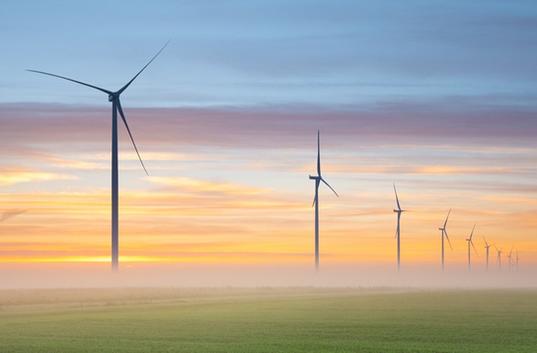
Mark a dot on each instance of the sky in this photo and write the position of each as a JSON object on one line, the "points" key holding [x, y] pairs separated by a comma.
{"points": [[435, 96]]}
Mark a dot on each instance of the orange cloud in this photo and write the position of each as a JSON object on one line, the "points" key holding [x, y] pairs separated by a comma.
{"points": [[16, 176], [196, 185]]}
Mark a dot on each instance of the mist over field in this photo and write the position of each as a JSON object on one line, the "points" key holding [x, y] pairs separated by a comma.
{"points": [[159, 275]]}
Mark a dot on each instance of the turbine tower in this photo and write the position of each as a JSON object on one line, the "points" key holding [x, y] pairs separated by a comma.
{"points": [[318, 179], [470, 243], [487, 247], [113, 97], [398, 210], [443, 235], [516, 260]]}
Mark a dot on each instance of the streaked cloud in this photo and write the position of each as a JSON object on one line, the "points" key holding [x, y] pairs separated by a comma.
{"points": [[11, 176], [193, 185], [10, 214]]}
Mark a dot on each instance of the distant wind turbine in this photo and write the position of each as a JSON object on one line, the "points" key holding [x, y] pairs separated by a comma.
{"points": [[470, 243], [398, 210], [487, 247], [318, 179], [499, 257], [516, 260], [445, 235], [509, 259], [113, 97]]}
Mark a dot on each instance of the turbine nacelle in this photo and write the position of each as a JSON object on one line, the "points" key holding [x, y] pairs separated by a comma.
{"points": [[314, 177], [113, 96]]}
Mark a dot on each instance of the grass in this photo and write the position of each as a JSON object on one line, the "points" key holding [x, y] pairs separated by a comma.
{"points": [[268, 320]]}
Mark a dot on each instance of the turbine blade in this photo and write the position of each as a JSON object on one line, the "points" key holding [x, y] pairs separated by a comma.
{"points": [[486, 243], [472, 234], [143, 68], [396, 197], [72, 80], [449, 241], [331, 188], [473, 246], [130, 135], [318, 153], [445, 222]]}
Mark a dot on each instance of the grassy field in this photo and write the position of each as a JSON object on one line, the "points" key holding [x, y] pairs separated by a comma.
{"points": [[268, 320]]}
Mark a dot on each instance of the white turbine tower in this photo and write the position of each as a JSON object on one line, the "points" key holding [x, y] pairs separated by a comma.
{"points": [[113, 97], [443, 235], [470, 244], [318, 179], [398, 210]]}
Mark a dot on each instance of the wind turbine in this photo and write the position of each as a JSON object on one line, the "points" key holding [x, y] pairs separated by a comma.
{"points": [[113, 97], [318, 179], [509, 259], [398, 210], [516, 260], [487, 247], [470, 243], [499, 257], [445, 235]]}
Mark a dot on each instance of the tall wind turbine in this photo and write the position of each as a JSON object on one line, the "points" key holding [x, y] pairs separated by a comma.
{"points": [[445, 235], [398, 210], [113, 97], [318, 179], [487, 247], [499, 257], [470, 243]]}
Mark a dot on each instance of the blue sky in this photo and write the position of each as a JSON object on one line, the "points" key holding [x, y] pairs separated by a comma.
{"points": [[272, 52]]}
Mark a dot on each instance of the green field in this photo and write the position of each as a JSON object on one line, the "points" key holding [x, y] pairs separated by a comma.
{"points": [[268, 320]]}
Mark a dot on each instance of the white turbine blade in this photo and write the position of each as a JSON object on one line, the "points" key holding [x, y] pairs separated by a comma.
{"points": [[396, 198], [445, 222], [130, 135], [318, 153], [473, 246], [449, 241], [143, 68], [331, 188], [472, 234], [72, 80], [316, 197]]}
